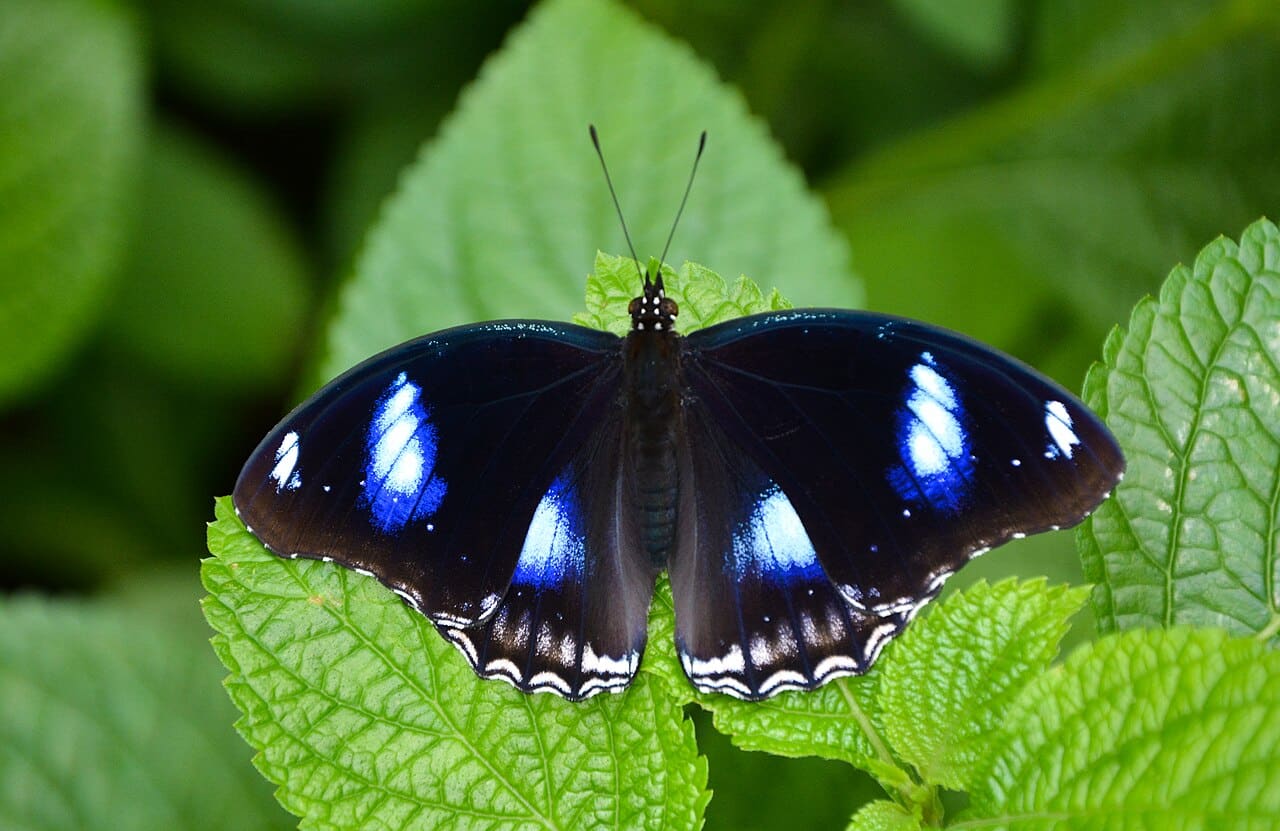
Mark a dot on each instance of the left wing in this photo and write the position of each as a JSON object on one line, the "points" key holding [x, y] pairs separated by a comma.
{"points": [[424, 465]]}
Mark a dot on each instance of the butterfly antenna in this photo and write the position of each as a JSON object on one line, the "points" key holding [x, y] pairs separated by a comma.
{"points": [[702, 143], [595, 140]]}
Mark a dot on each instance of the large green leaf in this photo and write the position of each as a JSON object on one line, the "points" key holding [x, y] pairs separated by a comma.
{"points": [[114, 720], [70, 113], [365, 717], [505, 210], [948, 685], [935, 700], [214, 287], [1192, 390], [1148, 729]]}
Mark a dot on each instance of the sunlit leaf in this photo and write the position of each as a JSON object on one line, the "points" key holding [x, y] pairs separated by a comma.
{"points": [[1192, 391]]}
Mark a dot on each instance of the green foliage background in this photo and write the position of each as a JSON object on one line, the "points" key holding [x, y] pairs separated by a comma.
{"points": [[207, 209]]}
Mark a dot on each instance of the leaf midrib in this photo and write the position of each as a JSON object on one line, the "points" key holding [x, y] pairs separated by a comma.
{"points": [[413, 683]]}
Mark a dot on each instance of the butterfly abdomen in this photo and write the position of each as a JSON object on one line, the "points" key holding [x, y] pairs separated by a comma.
{"points": [[656, 501], [654, 425]]}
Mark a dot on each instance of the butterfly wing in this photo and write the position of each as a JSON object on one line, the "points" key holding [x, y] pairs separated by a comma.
{"points": [[755, 611], [424, 465], [893, 450], [575, 616], [476, 472]]}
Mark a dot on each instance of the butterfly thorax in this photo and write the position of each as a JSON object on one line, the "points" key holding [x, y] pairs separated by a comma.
{"points": [[652, 370]]}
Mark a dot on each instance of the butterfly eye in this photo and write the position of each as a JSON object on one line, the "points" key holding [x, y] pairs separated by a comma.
{"points": [[668, 307], [634, 306]]}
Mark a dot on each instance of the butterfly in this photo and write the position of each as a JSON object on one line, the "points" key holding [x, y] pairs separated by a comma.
{"points": [[808, 479]]}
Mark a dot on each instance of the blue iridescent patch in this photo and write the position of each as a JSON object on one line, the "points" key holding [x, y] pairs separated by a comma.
{"points": [[400, 484], [555, 545], [933, 441], [772, 540]]}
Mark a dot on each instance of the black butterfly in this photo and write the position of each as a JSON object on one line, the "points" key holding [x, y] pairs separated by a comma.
{"points": [[808, 478]]}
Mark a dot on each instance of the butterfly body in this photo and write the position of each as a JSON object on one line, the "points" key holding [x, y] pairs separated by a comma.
{"points": [[654, 424], [807, 478]]}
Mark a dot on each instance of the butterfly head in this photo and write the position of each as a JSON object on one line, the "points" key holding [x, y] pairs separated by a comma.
{"points": [[653, 310]]}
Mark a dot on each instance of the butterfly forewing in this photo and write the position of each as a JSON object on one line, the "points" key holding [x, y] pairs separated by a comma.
{"points": [[424, 465], [904, 449]]}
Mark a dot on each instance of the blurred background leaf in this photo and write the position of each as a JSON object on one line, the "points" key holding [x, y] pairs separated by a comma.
{"points": [[215, 289], [185, 190], [112, 722], [71, 100], [209, 306], [1135, 137], [980, 31], [268, 56]]}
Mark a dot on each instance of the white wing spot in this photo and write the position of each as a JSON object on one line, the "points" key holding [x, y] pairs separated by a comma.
{"points": [[1058, 421], [285, 473]]}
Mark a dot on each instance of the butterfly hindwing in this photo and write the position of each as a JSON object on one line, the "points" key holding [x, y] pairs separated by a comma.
{"points": [[574, 618], [424, 465], [904, 449], [755, 611]]}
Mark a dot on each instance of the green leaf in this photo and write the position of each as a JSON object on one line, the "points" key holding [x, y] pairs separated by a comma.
{"points": [[660, 659], [1078, 33], [365, 716], [70, 111], [277, 55], [1192, 391], [841, 720], [1080, 185], [831, 79], [981, 31], [1147, 729], [114, 720], [883, 815], [704, 296], [763, 791], [505, 210], [375, 144], [946, 687], [215, 285]]}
